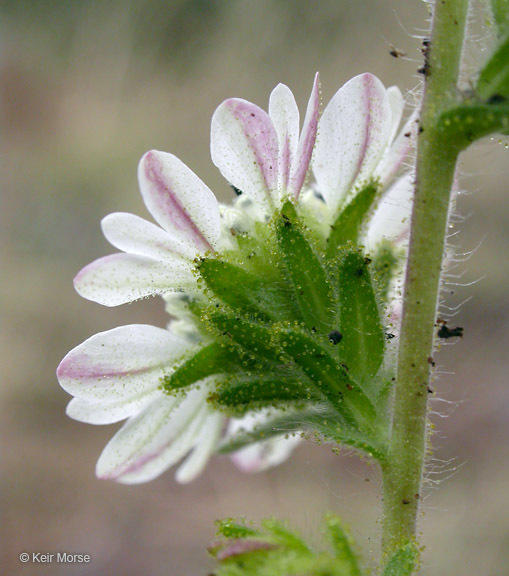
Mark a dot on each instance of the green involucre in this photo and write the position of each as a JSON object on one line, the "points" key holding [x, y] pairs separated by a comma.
{"points": [[297, 330]]}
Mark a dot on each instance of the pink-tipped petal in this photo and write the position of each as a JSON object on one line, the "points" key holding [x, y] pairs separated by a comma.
{"points": [[307, 140], [121, 278], [244, 146], [353, 133], [151, 442], [135, 235], [284, 113], [179, 201], [120, 364]]}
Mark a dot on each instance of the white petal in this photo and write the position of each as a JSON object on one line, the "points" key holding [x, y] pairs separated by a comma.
{"points": [[179, 201], [121, 278], [285, 117], [391, 219], [266, 454], [307, 140], [205, 446], [151, 442], [244, 146], [108, 413], [121, 364], [352, 135], [135, 235]]}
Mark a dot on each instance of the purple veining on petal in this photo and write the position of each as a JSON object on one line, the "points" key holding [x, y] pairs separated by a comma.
{"points": [[307, 139], [260, 135], [80, 367], [169, 202]]}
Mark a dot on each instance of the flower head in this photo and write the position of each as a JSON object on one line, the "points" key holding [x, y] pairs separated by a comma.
{"points": [[254, 290]]}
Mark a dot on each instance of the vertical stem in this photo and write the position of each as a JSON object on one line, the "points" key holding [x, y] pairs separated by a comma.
{"points": [[436, 161]]}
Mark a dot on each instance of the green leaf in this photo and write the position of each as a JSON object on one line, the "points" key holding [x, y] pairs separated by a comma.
{"points": [[348, 224], [343, 544], [215, 358], [307, 277], [363, 343], [243, 291], [403, 562], [493, 80], [256, 339], [259, 391]]}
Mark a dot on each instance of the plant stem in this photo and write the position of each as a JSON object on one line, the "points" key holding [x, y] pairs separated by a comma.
{"points": [[436, 162]]}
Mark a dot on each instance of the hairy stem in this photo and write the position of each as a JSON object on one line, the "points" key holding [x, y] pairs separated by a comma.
{"points": [[436, 161]]}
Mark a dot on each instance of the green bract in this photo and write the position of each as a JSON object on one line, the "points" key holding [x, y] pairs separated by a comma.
{"points": [[274, 550], [296, 327]]}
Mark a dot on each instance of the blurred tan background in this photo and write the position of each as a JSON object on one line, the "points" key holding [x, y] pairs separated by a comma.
{"points": [[85, 88]]}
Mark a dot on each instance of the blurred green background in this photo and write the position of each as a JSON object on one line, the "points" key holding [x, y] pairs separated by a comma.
{"points": [[85, 88]]}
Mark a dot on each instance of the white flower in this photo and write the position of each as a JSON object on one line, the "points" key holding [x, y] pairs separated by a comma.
{"points": [[117, 374]]}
